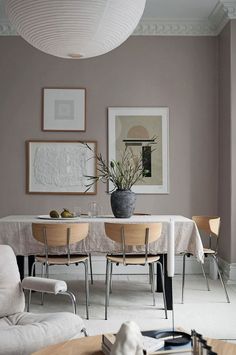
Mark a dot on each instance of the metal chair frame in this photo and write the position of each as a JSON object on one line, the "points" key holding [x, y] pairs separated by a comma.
{"points": [[46, 265], [126, 257], [67, 293], [213, 254]]}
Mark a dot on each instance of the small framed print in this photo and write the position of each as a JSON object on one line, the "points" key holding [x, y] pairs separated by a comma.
{"points": [[64, 109]]}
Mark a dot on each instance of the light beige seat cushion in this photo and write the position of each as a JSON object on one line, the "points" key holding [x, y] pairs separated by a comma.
{"points": [[24, 333], [12, 298]]}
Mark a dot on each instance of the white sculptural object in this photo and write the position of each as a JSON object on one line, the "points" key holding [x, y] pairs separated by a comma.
{"points": [[128, 340]]}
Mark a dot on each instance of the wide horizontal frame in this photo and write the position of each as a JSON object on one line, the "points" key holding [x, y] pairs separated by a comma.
{"points": [[45, 176], [113, 112], [74, 98]]}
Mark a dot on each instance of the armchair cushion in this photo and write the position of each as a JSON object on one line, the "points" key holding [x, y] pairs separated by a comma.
{"points": [[24, 333], [44, 285], [12, 298]]}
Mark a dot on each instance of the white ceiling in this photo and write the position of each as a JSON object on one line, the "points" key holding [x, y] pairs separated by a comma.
{"points": [[170, 17]]}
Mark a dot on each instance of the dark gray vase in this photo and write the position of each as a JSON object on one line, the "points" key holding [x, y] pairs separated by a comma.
{"points": [[123, 203]]}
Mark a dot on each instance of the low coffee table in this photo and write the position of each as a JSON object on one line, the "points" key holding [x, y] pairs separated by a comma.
{"points": [[91, 345]]}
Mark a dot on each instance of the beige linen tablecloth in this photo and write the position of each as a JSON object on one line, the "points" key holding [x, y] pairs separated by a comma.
{"points": [[16, 231]]}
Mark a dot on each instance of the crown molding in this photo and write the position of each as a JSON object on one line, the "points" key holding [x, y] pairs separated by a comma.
{"points": [[211, 26], [230, 8], [6, 29], [168, 27]]}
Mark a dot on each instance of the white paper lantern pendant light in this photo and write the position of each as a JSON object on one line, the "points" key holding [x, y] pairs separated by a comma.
{"points": [[75, 28]]}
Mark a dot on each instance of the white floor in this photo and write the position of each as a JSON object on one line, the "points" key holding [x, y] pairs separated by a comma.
{"points": [[131, 299]]}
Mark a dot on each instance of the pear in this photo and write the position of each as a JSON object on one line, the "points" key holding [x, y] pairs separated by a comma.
{"points": [[54, 214], [66, 213]]}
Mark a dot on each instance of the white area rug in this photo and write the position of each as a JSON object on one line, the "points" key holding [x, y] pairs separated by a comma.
{"points": [[131, 299]]}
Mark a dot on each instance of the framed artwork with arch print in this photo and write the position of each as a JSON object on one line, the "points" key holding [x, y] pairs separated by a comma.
{"points": [[144, 130]]}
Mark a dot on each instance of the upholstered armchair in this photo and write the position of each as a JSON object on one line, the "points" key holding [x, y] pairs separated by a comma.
{"points": [[22, 333]]}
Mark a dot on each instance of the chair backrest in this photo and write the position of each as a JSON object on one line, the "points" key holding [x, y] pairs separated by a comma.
{"points": [[136, 234], [12, 298], [208, 224], [59, 234], [211, 226]]}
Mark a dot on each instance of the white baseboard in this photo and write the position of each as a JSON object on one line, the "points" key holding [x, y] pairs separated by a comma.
{"points": [[192, 267], [99, 267], [229, 271]]}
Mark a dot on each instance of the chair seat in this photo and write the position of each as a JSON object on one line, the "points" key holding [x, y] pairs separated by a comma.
{"points": [[25, 333], [208, 251], [133, 259], [61, 259]]}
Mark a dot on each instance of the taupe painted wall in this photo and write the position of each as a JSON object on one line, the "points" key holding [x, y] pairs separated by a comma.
{"points": [[178, 72], [225, 142], [233, 140]]}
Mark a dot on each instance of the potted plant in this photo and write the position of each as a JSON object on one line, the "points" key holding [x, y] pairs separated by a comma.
{"points": [[123, 174]]}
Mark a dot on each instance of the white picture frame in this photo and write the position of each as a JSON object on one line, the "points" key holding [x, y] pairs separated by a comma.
{"points": [[60, 167], [142, 127], [64, 109]]}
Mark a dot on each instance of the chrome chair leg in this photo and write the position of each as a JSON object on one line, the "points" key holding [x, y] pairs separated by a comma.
{"points": [[221, 278], [42, 275], [83, 330], [33, 268], [91, 268], [163, 288], [106, 272], [107, 287], [86, 287], [153, 282], [47, 271], [205, 277], [150, 274], [72, 297], [183, 278], [110, 281]]}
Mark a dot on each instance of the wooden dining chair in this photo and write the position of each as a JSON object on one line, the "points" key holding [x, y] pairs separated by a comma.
{"points": [[61, 235], [209, 225], [131, 235]]}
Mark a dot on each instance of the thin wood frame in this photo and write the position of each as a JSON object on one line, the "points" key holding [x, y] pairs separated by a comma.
{"points": [[64, 109], [145, 131], [60, 167]]}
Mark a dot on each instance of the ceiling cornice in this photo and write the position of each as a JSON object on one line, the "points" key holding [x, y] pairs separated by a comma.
{"points": [[211, 26], [169, 27]]}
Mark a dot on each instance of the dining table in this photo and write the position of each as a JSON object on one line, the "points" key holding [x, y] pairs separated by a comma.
{"points": [[179, 235]]}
